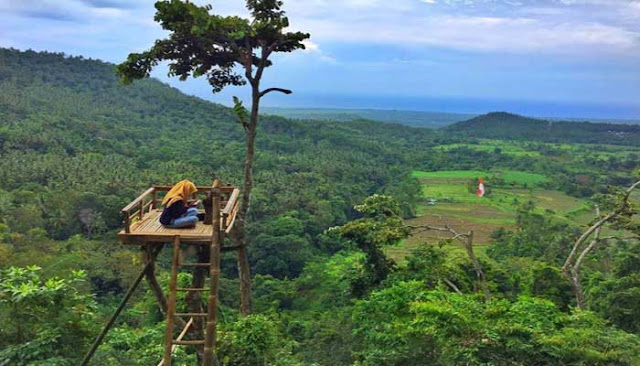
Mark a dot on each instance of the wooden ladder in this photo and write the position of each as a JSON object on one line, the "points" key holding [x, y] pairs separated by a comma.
{"points": [[211, 314]]}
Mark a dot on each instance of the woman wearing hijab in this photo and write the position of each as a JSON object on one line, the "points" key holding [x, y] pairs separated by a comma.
{"points": [[178, 212]]}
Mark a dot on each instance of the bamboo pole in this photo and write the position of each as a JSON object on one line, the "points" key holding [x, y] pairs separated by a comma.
{"points": [[154, 199], [127, 296], [210, 358], [171, 306]]}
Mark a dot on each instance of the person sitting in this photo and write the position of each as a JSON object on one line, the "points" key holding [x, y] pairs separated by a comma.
{"points": [[178, 212]]}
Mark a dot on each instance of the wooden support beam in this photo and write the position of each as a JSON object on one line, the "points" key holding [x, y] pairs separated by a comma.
{"points": [[127, 296], [180, 337], [171, 306], [210, 358], [154, 199]]}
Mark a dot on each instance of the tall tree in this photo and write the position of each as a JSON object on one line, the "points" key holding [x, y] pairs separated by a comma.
{"points": [[205, 44]]}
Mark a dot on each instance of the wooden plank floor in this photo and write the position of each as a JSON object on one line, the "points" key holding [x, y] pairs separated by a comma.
{"points": [[149, 229]]}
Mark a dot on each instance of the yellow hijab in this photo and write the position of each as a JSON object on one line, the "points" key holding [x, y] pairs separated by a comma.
{"points": [[180, 192]]}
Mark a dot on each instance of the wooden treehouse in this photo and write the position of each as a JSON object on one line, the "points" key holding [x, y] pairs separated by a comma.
{"points": [[142, 228]]}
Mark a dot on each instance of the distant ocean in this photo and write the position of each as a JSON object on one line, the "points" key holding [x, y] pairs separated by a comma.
{"points": [[550, 109], [568, 110]]}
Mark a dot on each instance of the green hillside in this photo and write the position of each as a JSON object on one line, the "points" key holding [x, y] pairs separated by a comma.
{"points": [[332, 201], [500, 125], [67, 128]]}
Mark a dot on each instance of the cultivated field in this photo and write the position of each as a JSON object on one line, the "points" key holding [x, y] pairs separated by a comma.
{"points": [[449, 198]]}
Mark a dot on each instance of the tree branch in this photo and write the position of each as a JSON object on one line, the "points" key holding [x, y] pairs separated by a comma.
{"points": [[452, 285], [467, 241], [572, 270], [623, 204], [267, 91], [456, 235]]}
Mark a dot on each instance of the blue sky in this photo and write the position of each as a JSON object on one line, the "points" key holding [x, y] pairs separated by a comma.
{"points": [[574, 58]]}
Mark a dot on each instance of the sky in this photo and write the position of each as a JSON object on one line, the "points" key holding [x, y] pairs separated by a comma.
{"points": [[555, 58]]}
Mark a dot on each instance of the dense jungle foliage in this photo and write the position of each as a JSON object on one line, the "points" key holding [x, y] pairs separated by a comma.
{"points": [[76, 147]]}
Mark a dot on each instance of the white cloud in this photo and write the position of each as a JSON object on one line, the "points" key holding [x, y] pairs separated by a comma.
{"points": [[313, 49], [554, 26], [63, 9], [519, 35], [498, 26]]}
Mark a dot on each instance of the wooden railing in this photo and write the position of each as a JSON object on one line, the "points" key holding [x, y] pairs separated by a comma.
{"points": [[230, 211], [150, 200], [138, 207]]}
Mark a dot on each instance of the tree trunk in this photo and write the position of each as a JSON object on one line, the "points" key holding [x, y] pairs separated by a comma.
{"points": [[577, 287], [244, 271], [476, 265], [453, 286]]}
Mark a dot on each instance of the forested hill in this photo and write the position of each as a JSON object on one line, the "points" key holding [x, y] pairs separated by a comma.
{"points": [[73, 141], [501, 125]]}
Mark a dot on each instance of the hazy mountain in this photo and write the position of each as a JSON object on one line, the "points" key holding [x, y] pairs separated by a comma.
{"points": [[502, 125]]}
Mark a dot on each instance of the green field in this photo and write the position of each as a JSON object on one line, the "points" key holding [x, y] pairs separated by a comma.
{"points": [[454, 203]]}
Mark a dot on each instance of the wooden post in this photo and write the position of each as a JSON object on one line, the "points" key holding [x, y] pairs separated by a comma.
{"points": [[154, 197], [210, 358], [180, 337], [171, 306], [126, 221]]}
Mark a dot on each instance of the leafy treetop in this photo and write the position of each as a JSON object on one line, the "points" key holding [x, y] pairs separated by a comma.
{"points": [[203, 44]]}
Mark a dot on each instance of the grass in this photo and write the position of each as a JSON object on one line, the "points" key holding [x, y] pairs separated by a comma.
{"points": [[517, 177]]}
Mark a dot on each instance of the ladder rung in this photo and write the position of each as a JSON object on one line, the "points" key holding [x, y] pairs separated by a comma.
{"points": [[191, 289], [195, 264], [190, 314], [187, 343]]}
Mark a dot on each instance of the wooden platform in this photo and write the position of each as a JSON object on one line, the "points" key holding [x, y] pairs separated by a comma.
{"points": [[142, 219], [149, 229]]}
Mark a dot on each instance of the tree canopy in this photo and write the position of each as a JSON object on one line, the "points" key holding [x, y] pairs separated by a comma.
{"points": [[203, 44]]}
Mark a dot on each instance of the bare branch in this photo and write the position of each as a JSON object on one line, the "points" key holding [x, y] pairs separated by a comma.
{"points": [[593, 228], [599, 223], [476, 265], [267, 91], [452, 285], [467, 241], [630, 189], [572, 271]]}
